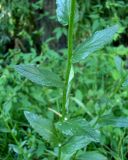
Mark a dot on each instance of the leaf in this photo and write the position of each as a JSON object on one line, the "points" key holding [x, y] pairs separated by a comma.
{"points": [[65, 156], [7, 107], [118, 62], [3, 127], [81, 104], [97, 41], [113, 121], [75, 143], [63, 11], [125, 84], [92, 155], [71, 76], [40, 76], [15, 148], [78, 127], [41, 125]]}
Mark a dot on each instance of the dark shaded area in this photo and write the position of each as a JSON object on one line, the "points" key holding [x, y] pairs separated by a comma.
{"points": [[36, 22]]}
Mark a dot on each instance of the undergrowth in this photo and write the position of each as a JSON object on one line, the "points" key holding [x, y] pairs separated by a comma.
{"points": [[77, 113]]}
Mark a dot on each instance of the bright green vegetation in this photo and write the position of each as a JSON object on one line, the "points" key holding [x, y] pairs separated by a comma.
{"points": [[67, 102]]}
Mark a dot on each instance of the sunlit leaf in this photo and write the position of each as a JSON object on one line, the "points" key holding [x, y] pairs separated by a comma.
{"points": [[94, 155], [118, 62], [113, 121], [63, 11], [78, 127], [97, 41], [75, 143], [42, 77], [41, 125], [65, 156], [15, 148]]}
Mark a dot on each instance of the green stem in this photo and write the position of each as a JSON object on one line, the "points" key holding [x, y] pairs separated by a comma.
{"points": [[59, 154], [70, 49]]}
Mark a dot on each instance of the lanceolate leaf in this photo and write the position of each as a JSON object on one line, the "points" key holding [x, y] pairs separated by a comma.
{"points": [[65, 156], [75, 143], [118, 62], [91, 156], [97, 41], [113, 121], [41, 125], [40, 76], [71, 76], [78, 127], [63, 11]]}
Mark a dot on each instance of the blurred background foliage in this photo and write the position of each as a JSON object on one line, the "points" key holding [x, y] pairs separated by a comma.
{"points": [[30, 33]]}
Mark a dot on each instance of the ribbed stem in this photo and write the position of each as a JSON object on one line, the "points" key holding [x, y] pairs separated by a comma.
{"points": [[70, 49]]}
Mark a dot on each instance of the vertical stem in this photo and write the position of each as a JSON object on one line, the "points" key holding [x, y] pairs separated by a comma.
{"points": [[70, 48], [59, 154]]}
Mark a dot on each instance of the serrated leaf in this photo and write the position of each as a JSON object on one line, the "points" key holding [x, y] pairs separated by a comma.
{"points": [[63, 11], [97, 41], [42, 77], [41, 125], [113, 121], [78, 127], [75, 143], [92, 155]]}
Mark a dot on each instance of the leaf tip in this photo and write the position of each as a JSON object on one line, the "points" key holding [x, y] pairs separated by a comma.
{"points": [[26, 113]]}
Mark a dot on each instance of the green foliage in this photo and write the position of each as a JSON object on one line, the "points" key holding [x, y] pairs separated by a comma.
{"points": [[75, 143], [40, 76], [91, 155], [113, 121], [71, 76], [63, 11], [41, 125], [93, 122], [118, 62], [82, 134], [97, 41], [78, 127]]}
